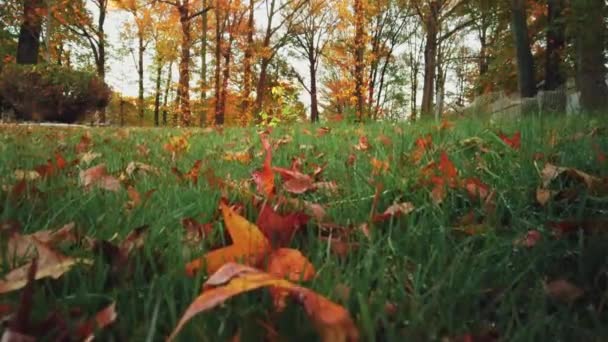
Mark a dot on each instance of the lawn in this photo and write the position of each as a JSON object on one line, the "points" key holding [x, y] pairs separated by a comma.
{"points": [[485, 245]]}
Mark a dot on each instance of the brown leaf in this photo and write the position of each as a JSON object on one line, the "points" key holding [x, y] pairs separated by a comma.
{"points": [[543, 196], [363, 144], [137, 167], [563, 291], [395, 210], [84, 144], [50, 263], [529, 240], [98, 176], [196, 232]]}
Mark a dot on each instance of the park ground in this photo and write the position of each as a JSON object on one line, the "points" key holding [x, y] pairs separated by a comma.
{"points": [[496, 230]]}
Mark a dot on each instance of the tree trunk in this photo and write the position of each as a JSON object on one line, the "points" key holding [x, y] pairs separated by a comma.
{"points": [[166, 97], [28, 47], [247, 70], [184, 66], [556, 42], [430, 58], [261, 87], [525, 62], [101, 38], [203, 116], [314, 102], [359, 58], [218, 64], [140, 71], [159, 73], [590, 33], [225, 78]]}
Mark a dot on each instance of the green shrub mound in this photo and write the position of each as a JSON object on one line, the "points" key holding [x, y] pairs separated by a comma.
{"points": [[52, 92]]}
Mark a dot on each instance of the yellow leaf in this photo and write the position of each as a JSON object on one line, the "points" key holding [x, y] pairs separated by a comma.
{"points": [[249, 244]]}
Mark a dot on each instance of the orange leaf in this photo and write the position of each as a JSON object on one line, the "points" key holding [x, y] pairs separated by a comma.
{"points": [[333, 322], [291, 264], [101, 320], [264, 179], [248, 244]]}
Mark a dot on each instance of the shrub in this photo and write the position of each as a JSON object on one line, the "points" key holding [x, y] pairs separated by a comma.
{"points": [[51, 92]]}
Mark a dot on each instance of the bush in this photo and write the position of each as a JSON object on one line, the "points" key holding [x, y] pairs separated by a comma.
{"points": [[51, 92]]}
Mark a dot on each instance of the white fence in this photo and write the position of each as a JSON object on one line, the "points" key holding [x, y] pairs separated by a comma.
{"points": [[499, 104]]}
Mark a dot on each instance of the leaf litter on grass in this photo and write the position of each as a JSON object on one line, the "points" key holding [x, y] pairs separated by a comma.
{"points": [[295, 205]]}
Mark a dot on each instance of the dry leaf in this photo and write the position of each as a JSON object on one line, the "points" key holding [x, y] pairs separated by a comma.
{"points": [[395, 210], [562, 290], [332, 321], [97, 176], [50, 263], [249, 245]]}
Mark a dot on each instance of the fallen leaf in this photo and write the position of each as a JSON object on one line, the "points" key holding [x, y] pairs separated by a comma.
{"points": [[379, 166], [88, 157], [543, 196], [24, 249], [249, 244], [321, 131], [243, 157], [476, 189], [137, 167], [386, 141], [264, 178], [288, 264], [26, 175], [54, 236], [84, 144], [363, 144], [102, 319], [196, 231], [395, 210], [279, 230], [563, 291], [514, 141], [529, 240], [97, 176], [332, 321]]}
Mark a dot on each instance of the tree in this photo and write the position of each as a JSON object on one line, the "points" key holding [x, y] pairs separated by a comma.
{"points": [[248, 60], [525, 62], [228, 19], [433, 14], [185, 9], [359, 47], [590, 41], [556, 44], [84, 25], [270, 45], [28, 46], [143, 30], [310, 38]]}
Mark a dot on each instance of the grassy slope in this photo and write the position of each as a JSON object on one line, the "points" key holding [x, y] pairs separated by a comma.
{"points": [[442, 283]]}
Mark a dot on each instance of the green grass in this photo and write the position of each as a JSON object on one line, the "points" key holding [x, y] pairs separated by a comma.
{"points": [[442, 283]]}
